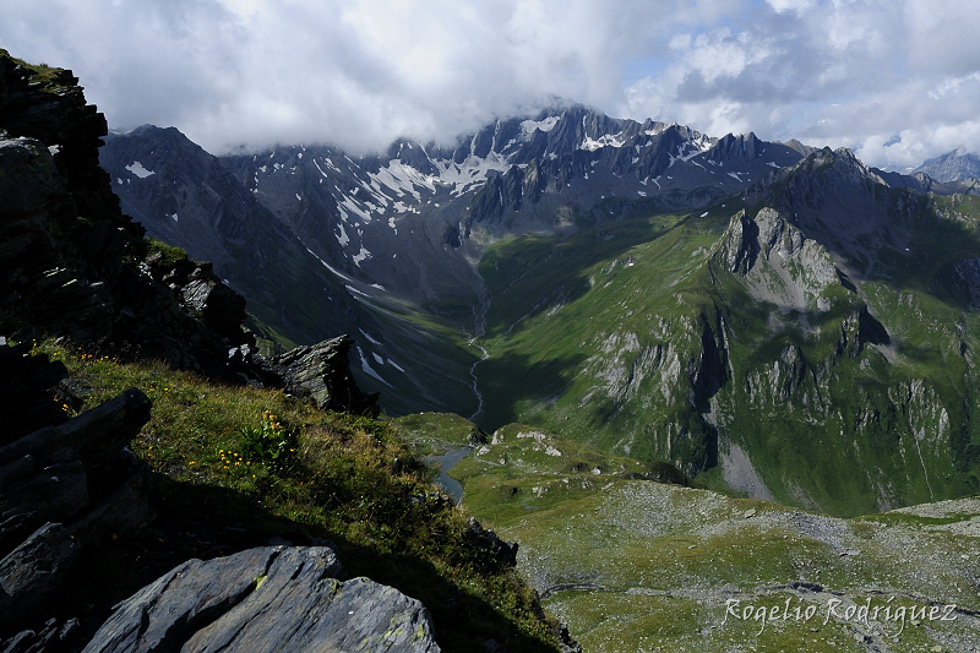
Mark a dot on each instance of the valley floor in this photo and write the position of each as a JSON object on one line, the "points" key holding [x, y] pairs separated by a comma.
{"points": [[631, 563]]}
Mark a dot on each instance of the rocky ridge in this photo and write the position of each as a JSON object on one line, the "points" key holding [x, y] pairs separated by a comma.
{"points": [[958, 165], [75, 268]]}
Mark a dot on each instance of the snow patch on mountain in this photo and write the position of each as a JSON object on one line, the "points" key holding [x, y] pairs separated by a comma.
{"points": [[402, 179], [369, 338], [361, 256], [332, 269], [137, 169], [470, 173], [349, 205], [366, 367], [606, 140], [528, 127], [342, 237], [396, 366]]}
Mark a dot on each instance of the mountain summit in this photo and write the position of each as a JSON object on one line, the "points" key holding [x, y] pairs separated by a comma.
{"points": [[957, 165]]}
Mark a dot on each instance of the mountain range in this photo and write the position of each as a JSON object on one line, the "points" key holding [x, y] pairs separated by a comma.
{"points": [[778, 320], [954, 166], [396, 232]]}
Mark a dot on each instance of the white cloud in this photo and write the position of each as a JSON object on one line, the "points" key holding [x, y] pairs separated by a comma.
{"points": [[841, 73], [797, 6], [360, 73], [256, 72]]}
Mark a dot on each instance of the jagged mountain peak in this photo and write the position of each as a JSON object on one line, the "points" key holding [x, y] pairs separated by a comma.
{"points": [[506, 177], [957, 165], [150, 148], [827, 166]]}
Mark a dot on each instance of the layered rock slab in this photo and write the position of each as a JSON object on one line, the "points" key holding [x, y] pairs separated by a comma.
{"points": [[266, 599]]}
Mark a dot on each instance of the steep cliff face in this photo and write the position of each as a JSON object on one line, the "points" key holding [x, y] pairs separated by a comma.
{"points": [[184, 196], [778, 263], [72, 264]]}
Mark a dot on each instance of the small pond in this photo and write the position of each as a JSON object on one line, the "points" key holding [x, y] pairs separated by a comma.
{"points": [[444, 464]]}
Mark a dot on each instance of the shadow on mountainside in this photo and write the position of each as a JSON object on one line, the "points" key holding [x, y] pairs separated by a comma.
{"points": [[513, 379], [909, 240], [531, 274]]}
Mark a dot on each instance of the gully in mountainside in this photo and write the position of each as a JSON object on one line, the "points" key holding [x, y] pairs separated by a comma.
{"points": [[479, 331]]}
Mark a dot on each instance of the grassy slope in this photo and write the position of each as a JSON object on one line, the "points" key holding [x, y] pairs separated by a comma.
{"points": [[550, 314], [634, 564], [574, 320], [346, 479]]}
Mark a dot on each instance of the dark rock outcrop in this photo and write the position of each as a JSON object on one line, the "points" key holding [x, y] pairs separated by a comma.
{"points": [[266, 599], [503, 554], [320, 374], [26, 400], [80, 277], [71, 263], [48, 104], [63, 489]]}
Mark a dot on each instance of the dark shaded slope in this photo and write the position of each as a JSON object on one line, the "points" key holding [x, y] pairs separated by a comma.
{"points": [[185, 196]]}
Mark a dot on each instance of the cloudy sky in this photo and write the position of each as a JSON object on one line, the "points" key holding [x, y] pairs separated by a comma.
{"points": [[898, 81]]}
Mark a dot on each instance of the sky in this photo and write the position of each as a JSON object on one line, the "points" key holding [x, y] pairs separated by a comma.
{"points": [[897, 81]]}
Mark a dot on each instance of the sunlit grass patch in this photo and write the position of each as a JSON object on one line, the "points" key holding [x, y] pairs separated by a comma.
{"points": [[255, 461]]}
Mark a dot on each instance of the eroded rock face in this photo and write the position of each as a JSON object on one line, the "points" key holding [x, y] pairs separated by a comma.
{"points": [[70, 261], [266, 599], [80, 277], [779, 264], [320, 374], [71, 264]]}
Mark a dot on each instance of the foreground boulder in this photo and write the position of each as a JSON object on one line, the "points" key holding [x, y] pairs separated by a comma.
{"points": [[266, 599]]}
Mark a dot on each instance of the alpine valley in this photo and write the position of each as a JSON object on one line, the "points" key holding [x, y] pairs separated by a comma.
{"points": [[683, 393], [701, 359], [773, 319]]}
